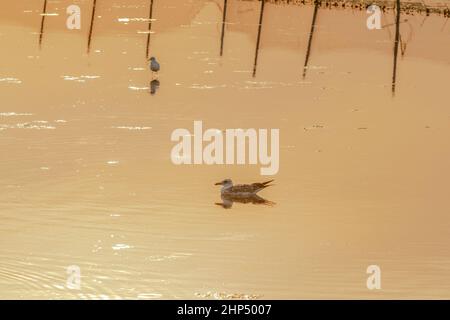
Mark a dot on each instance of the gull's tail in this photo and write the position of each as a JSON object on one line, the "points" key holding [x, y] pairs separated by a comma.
{"points": [[259, 186], [266, 184]]}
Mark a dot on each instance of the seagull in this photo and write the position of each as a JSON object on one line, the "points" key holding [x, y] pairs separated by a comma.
{"points": [[241, 190], [154, 65]]}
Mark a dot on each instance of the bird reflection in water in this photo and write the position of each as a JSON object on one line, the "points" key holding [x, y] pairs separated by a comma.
{"points": [[228, 200], [154, 86]]}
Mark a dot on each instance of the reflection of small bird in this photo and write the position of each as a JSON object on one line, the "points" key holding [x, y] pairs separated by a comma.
{"points": [[154, 85], [154, 65], [242, 189]]}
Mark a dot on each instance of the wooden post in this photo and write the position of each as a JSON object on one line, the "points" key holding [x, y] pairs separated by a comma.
{"points": [[397, 40], [311, 34], [261, 15], [91, 26], [41, 33], [150, 17], [225, 2]]}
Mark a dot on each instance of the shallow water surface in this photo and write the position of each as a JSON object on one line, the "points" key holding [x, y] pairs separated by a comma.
{"points": [[87, 180]]}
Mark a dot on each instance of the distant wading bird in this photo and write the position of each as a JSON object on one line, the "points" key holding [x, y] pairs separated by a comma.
{"points": [[154, 65]]}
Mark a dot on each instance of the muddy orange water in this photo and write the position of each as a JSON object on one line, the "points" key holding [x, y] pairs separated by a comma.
{"points": [[87, 180]]}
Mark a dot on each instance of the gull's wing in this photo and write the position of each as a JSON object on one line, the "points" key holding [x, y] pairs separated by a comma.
{"points": [[250, 188], [243, 188]]}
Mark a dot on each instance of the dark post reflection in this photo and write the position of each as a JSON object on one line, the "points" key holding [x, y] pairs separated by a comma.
{"points": [[225, 3], [311, 35], [91, 26], [150, 17], [261, 15], [397, 39], [41, 32]]}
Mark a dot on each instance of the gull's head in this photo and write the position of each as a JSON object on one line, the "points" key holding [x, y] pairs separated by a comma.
{"points": [[225, 183], [152, 59]]}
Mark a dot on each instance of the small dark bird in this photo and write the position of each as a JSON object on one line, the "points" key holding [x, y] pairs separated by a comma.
{"points": [[154, 65]]}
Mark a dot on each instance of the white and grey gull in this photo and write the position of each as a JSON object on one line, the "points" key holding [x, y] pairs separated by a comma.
{"points": [[242, 193], [242, 189]]}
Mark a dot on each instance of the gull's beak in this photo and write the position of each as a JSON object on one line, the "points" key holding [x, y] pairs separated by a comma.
{"points": [[219, 183], [222, 205]]}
